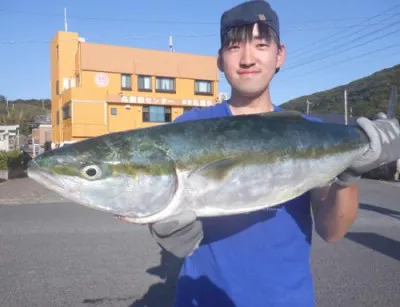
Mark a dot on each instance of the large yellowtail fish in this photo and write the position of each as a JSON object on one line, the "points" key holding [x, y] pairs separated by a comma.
{"points": [[219, 166]]}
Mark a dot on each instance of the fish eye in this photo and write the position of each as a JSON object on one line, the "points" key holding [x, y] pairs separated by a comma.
{"points": [[91, 172]]}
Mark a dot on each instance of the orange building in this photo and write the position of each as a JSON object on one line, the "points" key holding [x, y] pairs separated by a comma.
{"points": [[98, 89]]}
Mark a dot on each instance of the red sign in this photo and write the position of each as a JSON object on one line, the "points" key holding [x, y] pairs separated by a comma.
{"points": [[101, 79]]}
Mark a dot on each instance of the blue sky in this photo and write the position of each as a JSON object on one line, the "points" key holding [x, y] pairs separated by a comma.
{"points": [[326, 41]]}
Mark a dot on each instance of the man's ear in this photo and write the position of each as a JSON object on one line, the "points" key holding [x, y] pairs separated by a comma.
{"points": [[220, 63], [281, 56]]}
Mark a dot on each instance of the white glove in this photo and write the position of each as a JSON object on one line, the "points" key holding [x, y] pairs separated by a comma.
{"points": [[180, 234], [384, 136]]}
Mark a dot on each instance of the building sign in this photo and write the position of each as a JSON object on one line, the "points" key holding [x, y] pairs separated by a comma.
{"points": [[147, 100], [196, 103], [101, 79], [165, 101]]}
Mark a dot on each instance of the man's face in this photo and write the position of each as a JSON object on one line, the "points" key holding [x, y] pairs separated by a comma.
{"points": [[249, 66]]}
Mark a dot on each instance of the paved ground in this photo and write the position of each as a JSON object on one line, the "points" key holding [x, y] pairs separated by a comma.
{"points": [[55, 253], [26, 191]]}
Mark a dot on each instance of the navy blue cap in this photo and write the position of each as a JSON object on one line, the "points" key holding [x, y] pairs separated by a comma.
{"points": [[249, 12]]}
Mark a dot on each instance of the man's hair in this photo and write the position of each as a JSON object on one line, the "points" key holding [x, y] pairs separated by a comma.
{"points": [[245, 33]]}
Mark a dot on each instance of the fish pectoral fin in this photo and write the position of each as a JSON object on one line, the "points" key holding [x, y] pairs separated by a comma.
{"points": [[295, 115], [215, 170]]}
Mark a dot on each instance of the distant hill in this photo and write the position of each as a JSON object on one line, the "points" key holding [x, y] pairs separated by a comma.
{"points": [[26, 113], [366, 96]]}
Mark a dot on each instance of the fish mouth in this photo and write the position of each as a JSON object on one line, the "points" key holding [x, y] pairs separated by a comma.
{"points": [[46, 178]]}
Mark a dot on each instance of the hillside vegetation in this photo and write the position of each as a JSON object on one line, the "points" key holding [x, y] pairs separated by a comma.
{"points": [[366, 96], [23, 112]]}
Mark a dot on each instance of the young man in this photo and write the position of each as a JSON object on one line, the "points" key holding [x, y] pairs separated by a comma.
{"points": [[261, 258]]}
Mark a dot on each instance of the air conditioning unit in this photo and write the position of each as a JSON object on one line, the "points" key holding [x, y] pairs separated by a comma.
{"points": [[69, 83], [65, 84], [72, 83]]}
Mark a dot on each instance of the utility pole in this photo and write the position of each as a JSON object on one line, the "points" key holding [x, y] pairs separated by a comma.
{"points": [[8, 111], [33, 146], [171, 44], [391, 111], [345, 106], [65, 20], [308, 106]]}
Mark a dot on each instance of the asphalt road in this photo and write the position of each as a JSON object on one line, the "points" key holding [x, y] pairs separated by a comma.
{"points": [[63, 254]]}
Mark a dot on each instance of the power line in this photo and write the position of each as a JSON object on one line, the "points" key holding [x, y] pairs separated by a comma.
{"points": [[334, 19], [346, 60], [213, 34], [59, 15], [105, 19], [332, 27], [131, 37], [359, 37], [341, 51], [35, 41], [313, 44], [162, 36]]}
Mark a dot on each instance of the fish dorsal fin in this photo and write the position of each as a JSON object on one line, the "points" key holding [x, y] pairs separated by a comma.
{"points": [[284, 115], [216, 170]]}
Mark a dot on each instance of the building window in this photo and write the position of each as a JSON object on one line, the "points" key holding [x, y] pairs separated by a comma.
{"points": [[126, 82], [144, 83], [67, 111], [156, 114], [113, 111], [164, 84], [202, 87]]}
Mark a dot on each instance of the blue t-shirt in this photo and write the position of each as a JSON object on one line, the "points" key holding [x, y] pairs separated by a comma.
{"points": [[250, 260]]}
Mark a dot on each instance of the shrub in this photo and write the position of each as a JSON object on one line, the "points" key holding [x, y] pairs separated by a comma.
{"points": [[10, 159]]}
